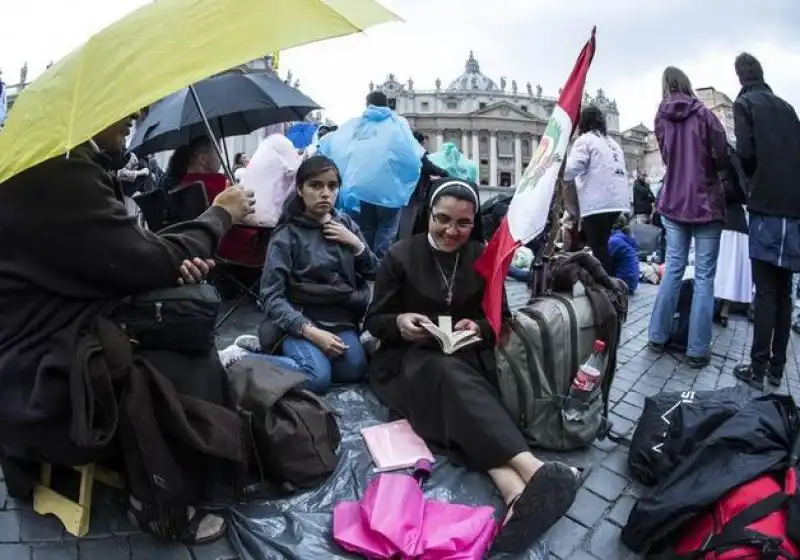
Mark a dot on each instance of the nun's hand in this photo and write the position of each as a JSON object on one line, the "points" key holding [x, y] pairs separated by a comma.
{"points": [[334, 231]]}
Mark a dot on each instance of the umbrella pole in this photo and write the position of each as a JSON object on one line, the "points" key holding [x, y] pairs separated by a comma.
{"points": [[224, 143], [210, 133]]}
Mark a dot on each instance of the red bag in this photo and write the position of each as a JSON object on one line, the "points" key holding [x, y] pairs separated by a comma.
{"points": [[749, 522]]}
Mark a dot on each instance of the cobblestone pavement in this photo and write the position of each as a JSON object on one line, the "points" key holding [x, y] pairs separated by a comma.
{"points": [[589, 531]]}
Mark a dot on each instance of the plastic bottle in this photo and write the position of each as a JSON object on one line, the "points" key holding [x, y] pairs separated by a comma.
{"points": [[586, 380]]}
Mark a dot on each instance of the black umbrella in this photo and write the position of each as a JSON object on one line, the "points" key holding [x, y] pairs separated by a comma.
{"points": [[234, 104]]}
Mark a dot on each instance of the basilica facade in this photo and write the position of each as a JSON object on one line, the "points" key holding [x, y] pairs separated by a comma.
{"points": [[497, 125]]}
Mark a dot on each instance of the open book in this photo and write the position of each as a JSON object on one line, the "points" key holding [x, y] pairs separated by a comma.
{"points": [[450, 341], [395, 445]]}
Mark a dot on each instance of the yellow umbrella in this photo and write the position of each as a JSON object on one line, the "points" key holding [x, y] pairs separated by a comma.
{"points": [[156, 50]]}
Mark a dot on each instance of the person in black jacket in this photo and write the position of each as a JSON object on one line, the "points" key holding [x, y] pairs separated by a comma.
{"points": [[413, 218], [643, 199], [768, 145]]}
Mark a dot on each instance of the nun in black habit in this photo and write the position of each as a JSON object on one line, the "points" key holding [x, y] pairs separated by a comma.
{"points": [[452, 401]]}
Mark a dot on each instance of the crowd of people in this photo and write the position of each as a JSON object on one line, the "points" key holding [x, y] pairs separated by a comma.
{"points": [[707, 182], [72, 256]]}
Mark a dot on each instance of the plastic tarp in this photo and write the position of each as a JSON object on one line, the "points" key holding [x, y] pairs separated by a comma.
{"points": [[455, 163], [378, 157], [301, 134], [300, 527]]}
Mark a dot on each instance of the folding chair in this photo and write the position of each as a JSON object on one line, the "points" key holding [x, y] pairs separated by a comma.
{"points": [[155, 209], [187, 202], [28, 476], [242, 254]]}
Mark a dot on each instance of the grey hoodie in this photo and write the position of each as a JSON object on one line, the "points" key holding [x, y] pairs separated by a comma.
{"points": [[308, 278]]}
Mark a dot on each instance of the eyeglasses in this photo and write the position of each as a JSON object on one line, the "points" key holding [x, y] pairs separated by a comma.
{"points": [[445, 221]]}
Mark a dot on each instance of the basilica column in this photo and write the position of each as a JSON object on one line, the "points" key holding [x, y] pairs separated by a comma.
{"points": [[493, 160], [464, 143], [439, 141], [476, 148], [518, 158]]}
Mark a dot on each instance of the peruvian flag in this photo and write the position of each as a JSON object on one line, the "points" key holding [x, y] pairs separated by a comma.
{"points": [[529, 209]]}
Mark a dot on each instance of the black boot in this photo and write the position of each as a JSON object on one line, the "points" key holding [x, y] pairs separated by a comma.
{"points": [[775, 375], [753, 378]]}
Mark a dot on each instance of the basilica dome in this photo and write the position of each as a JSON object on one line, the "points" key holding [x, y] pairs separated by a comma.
{"points": [[472, 79]]}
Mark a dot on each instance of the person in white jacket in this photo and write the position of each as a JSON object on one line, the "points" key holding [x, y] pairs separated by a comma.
{"points": [[596, 189]]}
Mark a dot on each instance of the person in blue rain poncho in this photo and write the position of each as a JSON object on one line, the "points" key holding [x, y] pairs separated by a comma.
{"points": [[380, 161]]}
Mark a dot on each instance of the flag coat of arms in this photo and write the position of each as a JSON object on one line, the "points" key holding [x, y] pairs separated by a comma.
{"points": [[530, 207]]}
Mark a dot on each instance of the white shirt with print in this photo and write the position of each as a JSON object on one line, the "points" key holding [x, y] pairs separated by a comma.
{"points": [[597, 165]]}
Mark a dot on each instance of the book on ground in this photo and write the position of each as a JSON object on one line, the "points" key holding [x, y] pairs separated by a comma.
{"points": [[395, 446], [451, 341]]}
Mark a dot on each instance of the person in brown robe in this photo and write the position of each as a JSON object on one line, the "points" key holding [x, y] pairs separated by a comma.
{"points": [[452, 401], [70, 250]]}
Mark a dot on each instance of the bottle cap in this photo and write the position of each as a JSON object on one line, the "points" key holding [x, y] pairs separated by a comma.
{"points": [[599, 346]]}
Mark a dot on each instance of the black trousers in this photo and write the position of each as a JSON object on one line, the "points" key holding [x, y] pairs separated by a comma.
{"points": [[772, 316], [596, 230]]}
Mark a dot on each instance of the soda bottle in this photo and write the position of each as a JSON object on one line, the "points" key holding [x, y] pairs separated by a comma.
{"points": [[586, 380]]}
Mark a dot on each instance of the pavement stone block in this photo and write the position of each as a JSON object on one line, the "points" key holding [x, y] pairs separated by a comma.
{"points": [[10, 526], [605, 542], [40, 528], [221, 549], [606, 484], [582, 555], [617, 462], [628, 411], [588, 508], [106, 549], [635, 399], [145, 547], [620, 512], [56, 551], [15, 552], [565, 537], [620, 425]]}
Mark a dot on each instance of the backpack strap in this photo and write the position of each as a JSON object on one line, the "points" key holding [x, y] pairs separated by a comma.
{"points": [[736, 534]]}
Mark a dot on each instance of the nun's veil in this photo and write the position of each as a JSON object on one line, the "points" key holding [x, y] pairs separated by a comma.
{"points": [[462, 190]]}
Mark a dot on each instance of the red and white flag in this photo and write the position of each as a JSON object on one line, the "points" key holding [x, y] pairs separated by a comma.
{"points": [[529, 209]]}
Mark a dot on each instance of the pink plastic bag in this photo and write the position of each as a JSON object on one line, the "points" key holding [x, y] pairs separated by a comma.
{"points": [[271, 176], [393, 520]]}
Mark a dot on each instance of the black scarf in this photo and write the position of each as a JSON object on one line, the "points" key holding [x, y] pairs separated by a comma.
{"points": [[118, 394]]}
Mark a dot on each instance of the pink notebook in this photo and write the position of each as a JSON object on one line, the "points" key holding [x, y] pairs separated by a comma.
{"points": [[395, 446]]}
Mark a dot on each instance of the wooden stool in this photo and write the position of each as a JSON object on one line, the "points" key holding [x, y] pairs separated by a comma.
{"points": [[74, 516]]}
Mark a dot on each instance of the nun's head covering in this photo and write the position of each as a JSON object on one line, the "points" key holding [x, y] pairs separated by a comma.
{"points": [[462, 190]]}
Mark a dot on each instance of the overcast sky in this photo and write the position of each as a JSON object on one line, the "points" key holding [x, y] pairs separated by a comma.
{"points": [[525, 40]]}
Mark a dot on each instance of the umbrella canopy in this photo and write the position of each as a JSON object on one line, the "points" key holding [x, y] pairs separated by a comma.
{"points": [[235, 103], [158, 49]]}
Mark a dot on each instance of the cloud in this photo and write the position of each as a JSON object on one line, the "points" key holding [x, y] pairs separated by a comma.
{"points": [[525, 40]]}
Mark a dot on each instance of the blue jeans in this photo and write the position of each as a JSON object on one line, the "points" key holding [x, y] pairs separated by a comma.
{"points": [[706, 240], [302, 356], [378, 226]]}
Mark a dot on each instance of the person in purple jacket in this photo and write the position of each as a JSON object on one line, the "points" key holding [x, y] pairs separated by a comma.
{"points": [[692, 206]]}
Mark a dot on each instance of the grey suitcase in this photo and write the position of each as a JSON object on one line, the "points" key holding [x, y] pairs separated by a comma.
{"points": [[548, 340]]}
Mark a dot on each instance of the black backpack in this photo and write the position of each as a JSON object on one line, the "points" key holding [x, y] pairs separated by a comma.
{"points": [[293, 433]]}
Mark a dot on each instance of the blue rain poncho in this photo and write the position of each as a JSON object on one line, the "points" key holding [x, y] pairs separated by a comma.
{"points": [[378, 157], [302, 134], [453, 161]]}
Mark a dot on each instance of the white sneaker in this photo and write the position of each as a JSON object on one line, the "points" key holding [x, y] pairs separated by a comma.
{"points": [[232, 354], [248, 342]]}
